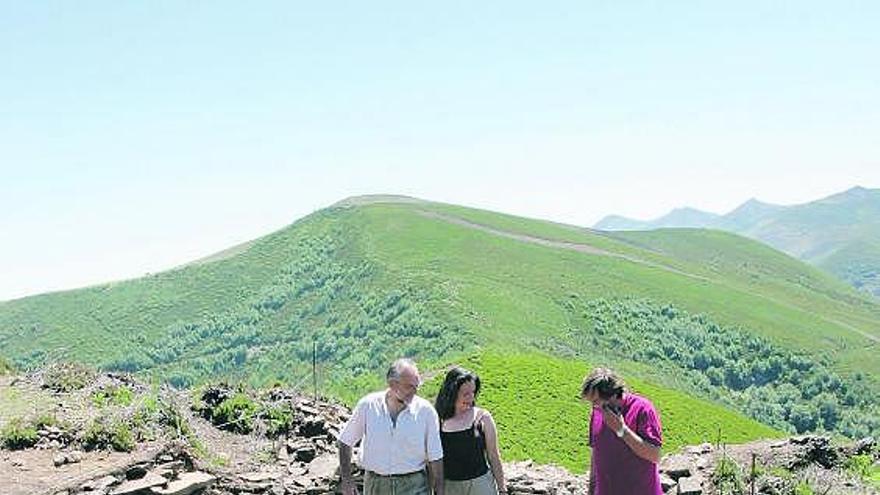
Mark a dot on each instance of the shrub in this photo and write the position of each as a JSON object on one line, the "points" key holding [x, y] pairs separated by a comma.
{"points": [[113, 396], [279, 419], [235, 413], [105, 433], [728, 476], [19, 435]]}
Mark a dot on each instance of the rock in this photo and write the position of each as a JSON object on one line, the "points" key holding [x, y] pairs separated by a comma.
{"points": [[324, 467], [186, 483], [676, 466], [690, 486], [258, 477], [312, 428], [98, 485], [305, 454], [136, 472], [59, 459], [666, 482], [139, 485]]}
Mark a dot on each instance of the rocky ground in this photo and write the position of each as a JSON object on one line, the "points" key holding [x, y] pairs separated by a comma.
{"points": [[74, 432]]}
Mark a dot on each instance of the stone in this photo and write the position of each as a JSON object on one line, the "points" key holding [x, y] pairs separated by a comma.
{"points": [[99, 485], [257, 477], [323, 467], [676, 466], [136, 472], [305, 454], [139, 485], [690, 486], [312, 428], [666, 482], [186, 483]]}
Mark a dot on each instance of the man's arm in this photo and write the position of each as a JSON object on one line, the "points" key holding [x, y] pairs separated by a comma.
{"points": [[640, 447], [435, 472], [347, 484], [637, 444], [351, 434]]}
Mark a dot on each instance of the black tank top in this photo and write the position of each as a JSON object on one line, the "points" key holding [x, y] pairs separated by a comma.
{"points": [[464, 454]]}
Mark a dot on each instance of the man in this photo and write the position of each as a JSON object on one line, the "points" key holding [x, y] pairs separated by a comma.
{"points": [[400, 436], [625, 437]]}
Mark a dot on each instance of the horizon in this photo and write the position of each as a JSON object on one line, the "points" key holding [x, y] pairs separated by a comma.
{"points": [[208, 255], [137, 138]]}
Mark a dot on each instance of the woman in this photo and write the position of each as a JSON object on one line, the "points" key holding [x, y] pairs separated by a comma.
{"points": [[469, 437]]}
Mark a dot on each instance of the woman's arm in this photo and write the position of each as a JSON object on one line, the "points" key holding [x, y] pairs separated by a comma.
{"points": [[491, 435]]}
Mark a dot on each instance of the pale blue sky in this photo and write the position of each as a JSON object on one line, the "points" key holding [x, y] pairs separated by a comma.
{"points": [[137, 136]]}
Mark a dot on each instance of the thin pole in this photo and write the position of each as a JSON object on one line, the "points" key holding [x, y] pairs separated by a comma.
{"points": [[753, 473], [315, 368]]}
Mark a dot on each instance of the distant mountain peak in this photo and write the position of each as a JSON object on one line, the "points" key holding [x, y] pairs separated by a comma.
{"points": [[853, 194]]}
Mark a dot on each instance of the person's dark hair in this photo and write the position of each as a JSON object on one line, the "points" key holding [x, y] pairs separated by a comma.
{"points": [[455, 378], [605, 382]]}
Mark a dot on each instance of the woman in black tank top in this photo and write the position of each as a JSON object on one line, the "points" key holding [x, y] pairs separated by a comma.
{"points": [[471, 462]]}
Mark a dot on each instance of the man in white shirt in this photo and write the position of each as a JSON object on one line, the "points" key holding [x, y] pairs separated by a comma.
{"points": [[400, 436]]}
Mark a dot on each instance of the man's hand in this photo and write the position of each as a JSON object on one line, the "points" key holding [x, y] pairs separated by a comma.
{"points": [[349, 488], [612, 419]]}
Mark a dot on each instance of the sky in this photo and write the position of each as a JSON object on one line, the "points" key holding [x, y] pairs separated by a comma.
{"points": [[138, 136]]}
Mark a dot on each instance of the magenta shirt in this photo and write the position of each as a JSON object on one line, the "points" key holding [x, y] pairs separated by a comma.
{"points": [[616, 469]]}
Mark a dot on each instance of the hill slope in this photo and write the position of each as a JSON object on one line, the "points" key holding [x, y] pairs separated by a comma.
{"points": [[840, 233], [373, 278]]}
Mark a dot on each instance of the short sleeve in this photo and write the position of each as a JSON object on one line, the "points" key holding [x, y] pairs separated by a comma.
{"points": [[433, 447], [648, 425], [357, 425]]}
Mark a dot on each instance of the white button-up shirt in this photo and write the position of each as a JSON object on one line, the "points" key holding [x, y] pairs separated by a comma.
{"points": [[394, 449]]}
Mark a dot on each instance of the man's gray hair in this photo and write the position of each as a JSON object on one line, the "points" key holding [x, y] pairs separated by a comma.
{"points": [[397, 367]]}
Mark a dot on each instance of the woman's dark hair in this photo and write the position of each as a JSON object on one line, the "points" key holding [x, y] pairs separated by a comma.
{"points": [[455, 378]]}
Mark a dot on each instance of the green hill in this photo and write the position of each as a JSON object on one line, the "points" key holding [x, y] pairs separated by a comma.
{"points": [[534, 400], [369, 279], [840, 233]]}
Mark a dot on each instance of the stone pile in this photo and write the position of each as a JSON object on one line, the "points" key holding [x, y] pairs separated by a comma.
{"points": [[52, 437]]}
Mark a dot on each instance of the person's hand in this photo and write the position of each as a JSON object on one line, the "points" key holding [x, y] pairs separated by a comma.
{"points": [[348, 488], [612, 419]]}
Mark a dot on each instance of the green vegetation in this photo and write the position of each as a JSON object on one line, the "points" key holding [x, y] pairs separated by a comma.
{"points": [[109, 432], [534, 400], [840, 234], [18, 434], [359, 286], [115, 395], [5, 366], [728, 477], [785, 389]]}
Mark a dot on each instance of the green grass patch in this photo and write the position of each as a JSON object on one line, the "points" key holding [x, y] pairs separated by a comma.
{"points": [[534, 400]]}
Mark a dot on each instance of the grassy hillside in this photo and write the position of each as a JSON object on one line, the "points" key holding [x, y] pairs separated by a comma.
{"points": [[840, 233], [534, 399], [364, 282]]}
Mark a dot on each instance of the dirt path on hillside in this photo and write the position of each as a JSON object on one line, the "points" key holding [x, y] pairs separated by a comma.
{"points": [[572, 246], [585, 248]]}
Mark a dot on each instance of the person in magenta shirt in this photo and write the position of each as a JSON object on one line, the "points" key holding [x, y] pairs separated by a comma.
{"points": [[625, 437]]}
